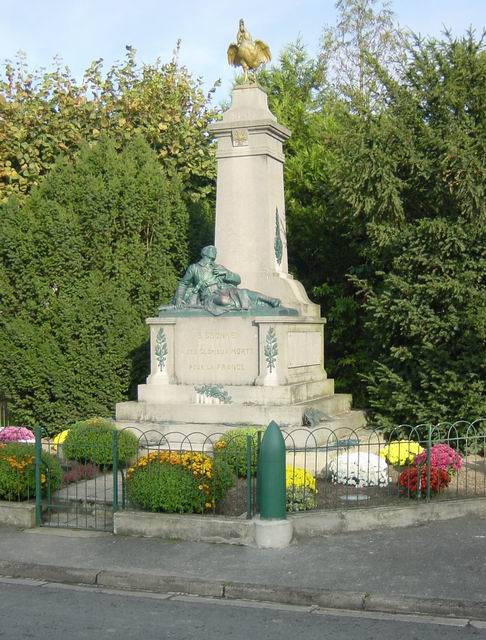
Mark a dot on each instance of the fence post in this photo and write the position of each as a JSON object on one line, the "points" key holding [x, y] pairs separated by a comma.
{"points": [[257, 475], [249, 488], [38, 484], [429, 445], [114, 451]]}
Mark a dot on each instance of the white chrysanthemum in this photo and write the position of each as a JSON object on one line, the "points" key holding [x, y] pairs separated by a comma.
{"points": [[360, 469]]}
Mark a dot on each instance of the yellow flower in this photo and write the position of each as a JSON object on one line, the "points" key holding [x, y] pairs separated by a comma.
{"points": [[298, 477], [400, 452], [59, 439]]}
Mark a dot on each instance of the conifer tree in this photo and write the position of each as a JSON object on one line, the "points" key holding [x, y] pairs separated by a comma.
{"points": [[84, 260]]}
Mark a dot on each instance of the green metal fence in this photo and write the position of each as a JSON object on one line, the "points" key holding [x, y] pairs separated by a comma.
{"points": [[93, 486], [445, 461], [217, 474]]}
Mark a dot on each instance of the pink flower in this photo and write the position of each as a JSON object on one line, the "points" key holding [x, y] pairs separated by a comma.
{"points": [[14, 434], [442, 456]]}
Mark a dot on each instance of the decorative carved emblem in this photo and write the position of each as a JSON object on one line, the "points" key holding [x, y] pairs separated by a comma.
{"points": [[161, 349], [215, 391], [271, 349], [278, 244], [239, 137]]}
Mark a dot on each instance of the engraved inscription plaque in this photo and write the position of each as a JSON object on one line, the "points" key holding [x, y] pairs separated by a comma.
{"points": [[304, 348], [215, 352]]}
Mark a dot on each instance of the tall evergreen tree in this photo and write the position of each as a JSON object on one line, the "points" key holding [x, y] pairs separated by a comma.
{"points": [[83, 261], [414, 174]]}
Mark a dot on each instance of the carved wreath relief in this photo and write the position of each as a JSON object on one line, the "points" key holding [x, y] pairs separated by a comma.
{"points": [[214, 391], [161, 349], [271, 349], [278, 244], [239, 137]]}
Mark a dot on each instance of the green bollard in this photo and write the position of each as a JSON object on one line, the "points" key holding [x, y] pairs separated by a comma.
{"points": [[271, 476]]}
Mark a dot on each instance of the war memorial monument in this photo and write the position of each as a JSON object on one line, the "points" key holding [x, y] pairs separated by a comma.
{"points": [[241, 344]]}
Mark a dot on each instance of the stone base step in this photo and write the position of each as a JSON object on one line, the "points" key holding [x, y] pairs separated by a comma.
{"points": [[344, 429], [230, 414], [185, 394]]}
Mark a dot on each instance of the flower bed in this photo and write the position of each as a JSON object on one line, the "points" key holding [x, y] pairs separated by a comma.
{"points": [[413, 481], [17, 472], [442, 456], [400, 452]]}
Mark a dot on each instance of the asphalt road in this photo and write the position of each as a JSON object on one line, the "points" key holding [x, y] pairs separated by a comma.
{"points": [[44, 611]]}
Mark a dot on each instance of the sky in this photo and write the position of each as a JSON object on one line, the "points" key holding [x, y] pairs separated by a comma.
{"points": [[80, 31]]}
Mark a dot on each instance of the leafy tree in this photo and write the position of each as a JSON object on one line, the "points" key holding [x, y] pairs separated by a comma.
{"points": [[385, 208], [414, 174], [84, 259], [365, 32], [47, 114]]}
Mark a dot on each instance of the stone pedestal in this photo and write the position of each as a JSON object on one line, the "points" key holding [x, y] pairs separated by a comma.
{"points": [[250, 232], [234, 370]]}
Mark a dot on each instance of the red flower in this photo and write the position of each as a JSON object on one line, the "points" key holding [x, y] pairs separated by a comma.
{"points": [[409, 480]]}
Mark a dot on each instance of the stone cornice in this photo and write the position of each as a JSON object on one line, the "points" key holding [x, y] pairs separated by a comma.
{"points": [[265, 125]]}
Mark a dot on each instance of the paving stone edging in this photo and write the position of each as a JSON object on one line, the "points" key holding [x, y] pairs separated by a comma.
{"points": [[17, 514], [322, 598], [310, 524], [196, 528]]}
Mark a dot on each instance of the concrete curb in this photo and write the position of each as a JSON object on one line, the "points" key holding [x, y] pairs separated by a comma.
{"points": [[17, 514], [47, 572], [323, 598], [313, 524], [191, 528], [224, 529]]}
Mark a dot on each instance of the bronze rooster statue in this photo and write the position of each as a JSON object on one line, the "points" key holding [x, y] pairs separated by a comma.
{"points": [[248, 53]]}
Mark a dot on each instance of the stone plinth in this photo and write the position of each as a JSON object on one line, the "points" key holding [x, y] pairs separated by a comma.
{"points": [[236, 350], [234, 370], [250, 232]]}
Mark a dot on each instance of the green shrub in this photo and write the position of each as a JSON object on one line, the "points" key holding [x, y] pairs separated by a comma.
{"points": [[166, 487], [17, 472], [178, 482], [231, 448], [83, 261], [224, 476], [92, 441]]}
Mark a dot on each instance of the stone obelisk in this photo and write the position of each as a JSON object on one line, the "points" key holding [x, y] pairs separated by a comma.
{"points": [[250, 232], [243, 363]]}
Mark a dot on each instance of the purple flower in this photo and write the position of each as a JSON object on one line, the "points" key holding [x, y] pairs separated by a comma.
{"points": [[14, 434], [442, 456]]}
